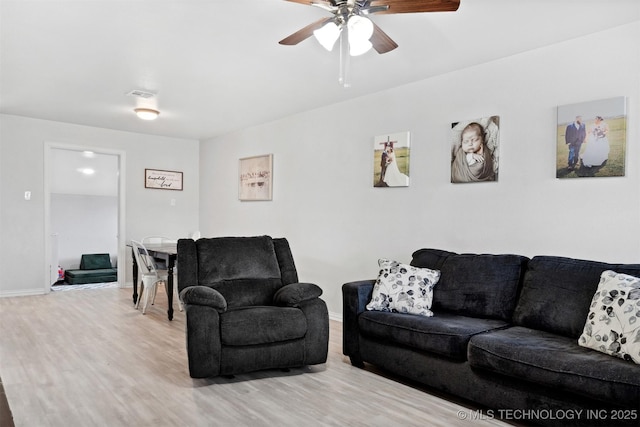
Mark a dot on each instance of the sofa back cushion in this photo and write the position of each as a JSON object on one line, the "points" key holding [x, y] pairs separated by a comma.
{"points": [[430, 258], [95, 261], [473, 285], [244, 270], [557, 293]]}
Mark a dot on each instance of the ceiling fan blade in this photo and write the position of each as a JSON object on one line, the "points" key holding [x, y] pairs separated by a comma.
{"points": [[412, 6], [312, 2], [305, 32], [381, 42]]}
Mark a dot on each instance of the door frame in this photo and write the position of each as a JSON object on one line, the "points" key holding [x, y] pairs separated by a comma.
{"points": [[122, 180]]}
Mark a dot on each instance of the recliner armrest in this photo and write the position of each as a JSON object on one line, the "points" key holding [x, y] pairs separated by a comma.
{"points": [[295, 293], [204, 295]]}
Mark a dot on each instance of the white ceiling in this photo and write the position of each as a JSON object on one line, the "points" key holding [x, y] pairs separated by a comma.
{"points": [[216, 65]]}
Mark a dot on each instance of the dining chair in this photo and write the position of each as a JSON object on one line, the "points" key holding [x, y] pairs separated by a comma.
{"points": [[149, 275], [162, 240]]}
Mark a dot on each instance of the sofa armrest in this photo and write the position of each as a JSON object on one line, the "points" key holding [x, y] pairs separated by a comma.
{"points": [[204, 295], [293, 294], [355, 297]]}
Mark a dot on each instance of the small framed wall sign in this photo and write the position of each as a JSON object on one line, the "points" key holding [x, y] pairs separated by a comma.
{"points": [[255, 180], [162, 180]]}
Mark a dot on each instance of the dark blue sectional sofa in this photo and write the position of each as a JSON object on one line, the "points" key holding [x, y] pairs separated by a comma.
{"points": [[504, 336]]}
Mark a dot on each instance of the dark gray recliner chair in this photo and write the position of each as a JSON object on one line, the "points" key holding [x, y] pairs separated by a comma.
{"points": [[245, 309]]}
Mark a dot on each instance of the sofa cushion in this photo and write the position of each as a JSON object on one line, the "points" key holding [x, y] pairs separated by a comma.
{"points": [[557, 293], [247, 292], [445, 334], [95, 261], [474, 285], [402, 288], [430, 258], [556, 361], [81, 277], [261, 325], [613, 324]]}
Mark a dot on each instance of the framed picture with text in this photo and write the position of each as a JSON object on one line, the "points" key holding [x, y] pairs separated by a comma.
{"points": [[162, 180], [255, 178]]}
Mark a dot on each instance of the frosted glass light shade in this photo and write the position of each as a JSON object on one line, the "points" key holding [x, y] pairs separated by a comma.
{"points": [[327, 35], [360, 31], [147, 113]]}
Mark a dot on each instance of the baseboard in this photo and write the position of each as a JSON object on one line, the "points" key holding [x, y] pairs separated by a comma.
{"points": [[22, 293]]}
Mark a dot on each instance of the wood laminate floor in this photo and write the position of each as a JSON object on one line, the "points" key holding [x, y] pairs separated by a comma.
{"points": [[89, 358]]}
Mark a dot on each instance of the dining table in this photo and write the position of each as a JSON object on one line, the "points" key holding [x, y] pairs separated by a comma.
{"points": [[167, 252]]}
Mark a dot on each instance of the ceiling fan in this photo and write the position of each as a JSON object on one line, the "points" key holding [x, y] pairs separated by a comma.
{"points": [[362, 33]]}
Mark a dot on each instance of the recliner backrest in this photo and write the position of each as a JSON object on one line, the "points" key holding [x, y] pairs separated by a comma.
{"points": [[245, 270]]}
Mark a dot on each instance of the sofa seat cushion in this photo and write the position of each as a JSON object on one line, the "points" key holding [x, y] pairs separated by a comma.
{"points": [[444, 334], [261, 325], [556, 361], [79, 277]]}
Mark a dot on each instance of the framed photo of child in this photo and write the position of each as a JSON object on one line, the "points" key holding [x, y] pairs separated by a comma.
{"points": [[475, 150], [391, 153]]}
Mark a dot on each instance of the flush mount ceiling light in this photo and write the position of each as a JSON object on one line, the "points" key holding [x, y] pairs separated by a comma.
{"points": [[86, 171], [147, 113]]}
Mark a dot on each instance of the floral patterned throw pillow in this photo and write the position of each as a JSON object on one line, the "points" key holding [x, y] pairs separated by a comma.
{"points": [[402, 288], [613, 323]]}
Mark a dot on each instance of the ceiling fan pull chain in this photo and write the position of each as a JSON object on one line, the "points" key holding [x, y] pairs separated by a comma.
{"points": [[345, 61]]}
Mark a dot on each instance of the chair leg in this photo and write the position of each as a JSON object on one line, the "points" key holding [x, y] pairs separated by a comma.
{"points": [[155, 292], [176, 296], [140, 294], [149, 289]]}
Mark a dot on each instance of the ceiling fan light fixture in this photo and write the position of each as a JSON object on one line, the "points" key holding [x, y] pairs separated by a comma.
{"points": [[360, 31], [327, 35], [147, 113]]}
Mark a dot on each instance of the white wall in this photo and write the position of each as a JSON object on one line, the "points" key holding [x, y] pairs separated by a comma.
{"points": [[338, 225], [148, 212], [85, 224]]}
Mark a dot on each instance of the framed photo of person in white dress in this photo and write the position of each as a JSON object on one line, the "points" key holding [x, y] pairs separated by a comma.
{"points": [[391, 154], [592, 139]]}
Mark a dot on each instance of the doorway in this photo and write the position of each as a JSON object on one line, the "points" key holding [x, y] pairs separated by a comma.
{"points": [[84, 207]]}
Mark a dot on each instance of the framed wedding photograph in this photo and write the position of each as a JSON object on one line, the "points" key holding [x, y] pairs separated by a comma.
{"points": [[592, 139], [162, 180], [255, 180], [391, 154]]}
